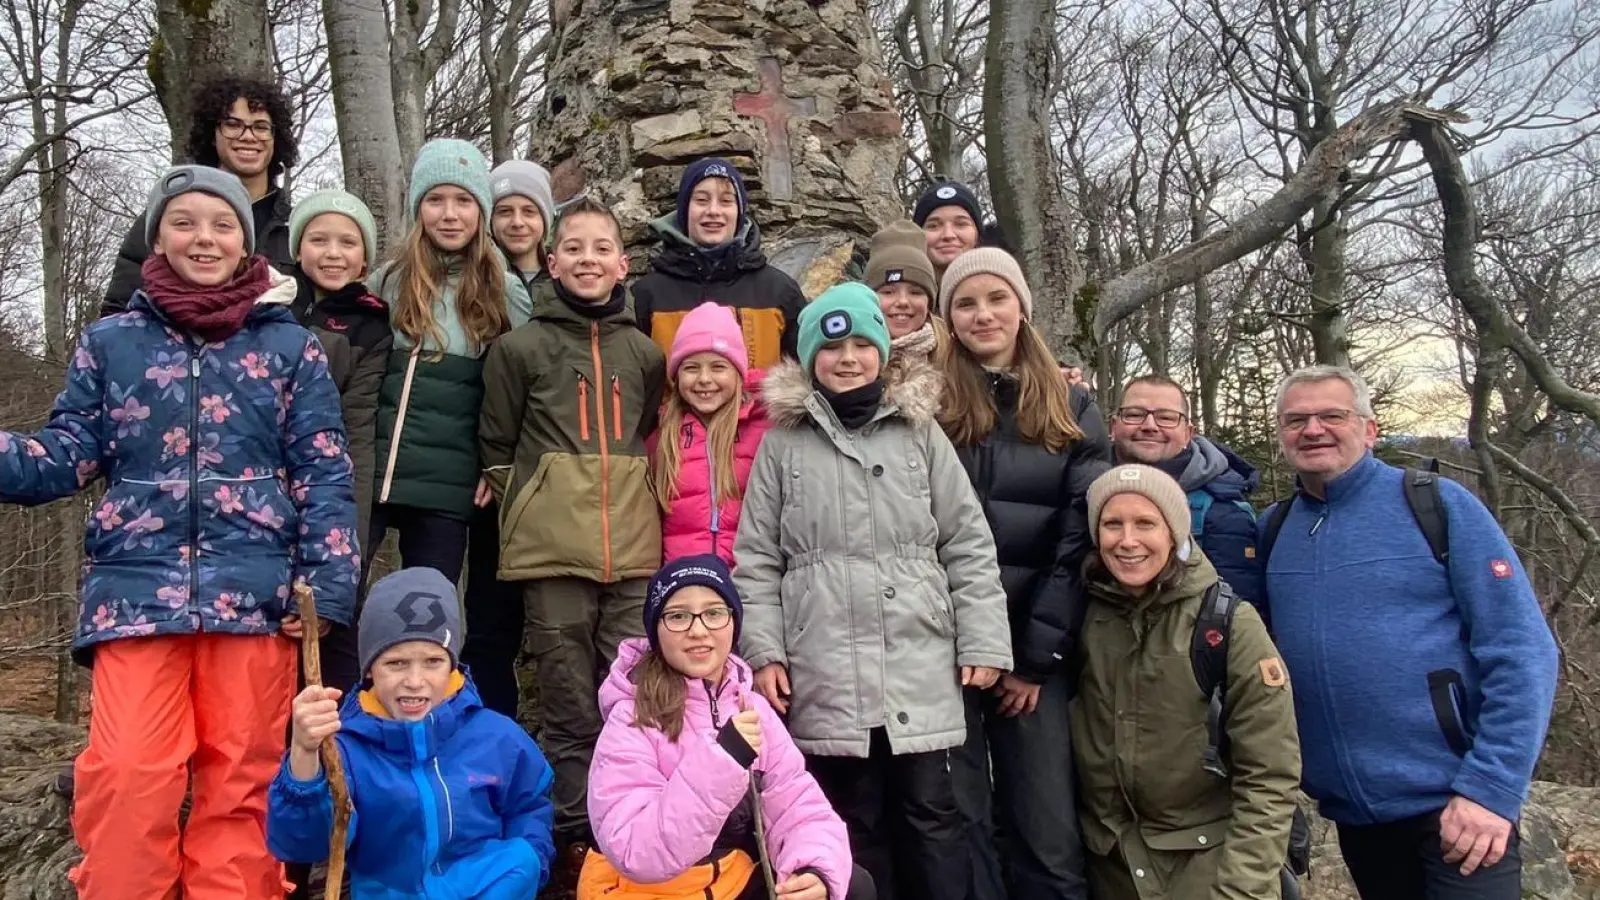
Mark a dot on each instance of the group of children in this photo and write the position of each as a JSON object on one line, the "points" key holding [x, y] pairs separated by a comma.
{"points": [[876, 498]]}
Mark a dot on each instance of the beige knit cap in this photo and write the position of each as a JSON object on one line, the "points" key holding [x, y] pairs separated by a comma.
{"points": [[984, 261], [1154, 485]]}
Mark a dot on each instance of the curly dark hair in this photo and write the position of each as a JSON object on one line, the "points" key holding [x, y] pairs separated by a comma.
{"points": [[211, 105]]}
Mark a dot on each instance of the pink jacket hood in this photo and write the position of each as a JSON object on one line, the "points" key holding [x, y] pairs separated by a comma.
{"points": [[657, 806]]}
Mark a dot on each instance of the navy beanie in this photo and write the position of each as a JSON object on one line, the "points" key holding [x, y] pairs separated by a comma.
{"points": [[947, 193], [700, 170], [706, 570]]}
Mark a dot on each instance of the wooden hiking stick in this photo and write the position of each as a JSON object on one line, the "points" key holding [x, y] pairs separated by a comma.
{"points": [[311, 659], [761, 839]]}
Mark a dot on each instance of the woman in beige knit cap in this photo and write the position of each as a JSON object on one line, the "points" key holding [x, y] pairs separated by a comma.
{"points": [[1161, 820]]}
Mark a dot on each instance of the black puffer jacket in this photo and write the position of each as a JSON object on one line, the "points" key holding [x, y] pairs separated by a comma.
{"points": [[271, 214], [765, 299], [1036, 504]]}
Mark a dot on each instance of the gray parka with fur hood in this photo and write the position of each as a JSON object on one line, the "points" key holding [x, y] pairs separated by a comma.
{"points": [[867, 568]]}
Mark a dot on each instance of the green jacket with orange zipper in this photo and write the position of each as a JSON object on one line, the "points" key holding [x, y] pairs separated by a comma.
{"points": [[568, 402]]}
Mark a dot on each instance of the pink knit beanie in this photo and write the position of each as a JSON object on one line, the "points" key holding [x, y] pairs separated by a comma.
{"points": [[709, 328]]}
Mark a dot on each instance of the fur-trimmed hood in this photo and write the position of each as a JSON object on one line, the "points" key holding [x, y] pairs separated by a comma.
{"points": [[912, 392]]}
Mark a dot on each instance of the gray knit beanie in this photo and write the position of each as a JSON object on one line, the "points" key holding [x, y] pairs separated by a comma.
{"points": [[984, 261], [1151, 483], [520, 178], [416, 604], [178, 180], [333, 201]]}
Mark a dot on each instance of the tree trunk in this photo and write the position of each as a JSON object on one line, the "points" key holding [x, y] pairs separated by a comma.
{"points": [[413, 64], [198, 41], [369, 143], [1023, 181], [505, 68], [1326, 259]]}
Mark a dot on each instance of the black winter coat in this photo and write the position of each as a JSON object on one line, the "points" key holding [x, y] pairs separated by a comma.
{"points": [[765, 299], [1036, 503], [271, 215]]}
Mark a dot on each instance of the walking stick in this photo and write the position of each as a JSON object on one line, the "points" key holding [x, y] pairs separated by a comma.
{"points": [[761, 839], [311, 659]]}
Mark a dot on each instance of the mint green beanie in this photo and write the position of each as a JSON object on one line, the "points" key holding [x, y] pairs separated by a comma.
{"points": [[333, 201], [451, 161], [844, 310]]}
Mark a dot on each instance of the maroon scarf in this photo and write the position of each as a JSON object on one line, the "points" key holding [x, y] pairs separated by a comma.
{"points": [[212, 313]]}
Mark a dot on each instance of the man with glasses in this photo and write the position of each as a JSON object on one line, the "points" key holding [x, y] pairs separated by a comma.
{"points": [[240, 126], [1152, 426], [1422, 687]]}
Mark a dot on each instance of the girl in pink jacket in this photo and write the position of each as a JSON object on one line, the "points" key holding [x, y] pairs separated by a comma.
{"points": [[688, 756], [711, 426]]}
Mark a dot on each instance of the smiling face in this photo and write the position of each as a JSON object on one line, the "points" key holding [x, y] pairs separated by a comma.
{"points": [[519, 227], [700, 651], [985, 316], [713, 212], [201, 237], [450, 217], [1147, 440], [332, 251], [905, 307], [951, 232], [707, 382], [244, 141], [847, 364], [1135, 542], [588, 258], [1321, 432], [411, 678]]}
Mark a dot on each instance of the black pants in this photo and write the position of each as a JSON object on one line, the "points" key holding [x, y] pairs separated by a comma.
{"points": [[901, 814], [860, 887], [427, 538], [1404, 860], [494, 617]]}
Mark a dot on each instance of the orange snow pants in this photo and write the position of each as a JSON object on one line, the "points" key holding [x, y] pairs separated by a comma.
{"points": [[211, 707]]}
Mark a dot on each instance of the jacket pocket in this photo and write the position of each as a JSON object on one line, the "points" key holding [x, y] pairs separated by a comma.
{"points": [[511, 512], [1196, 838], [1447, 693]]}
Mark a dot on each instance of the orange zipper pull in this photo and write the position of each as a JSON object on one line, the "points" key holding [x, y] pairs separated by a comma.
{"points": [[583, 408], [616, 406]]}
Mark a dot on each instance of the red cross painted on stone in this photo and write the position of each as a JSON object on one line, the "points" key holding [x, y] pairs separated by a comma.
{"points": [[775, 108]]}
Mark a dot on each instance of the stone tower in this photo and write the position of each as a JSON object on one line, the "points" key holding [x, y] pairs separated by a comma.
{"points": [[791, 91]]}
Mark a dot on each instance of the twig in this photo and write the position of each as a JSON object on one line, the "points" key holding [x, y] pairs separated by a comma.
{"points": [[311, 658]]}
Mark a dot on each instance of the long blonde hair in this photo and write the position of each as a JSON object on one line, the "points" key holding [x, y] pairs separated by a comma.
{"points": [[659, 695], [480, 295], [721, 434], [1044, 408]]}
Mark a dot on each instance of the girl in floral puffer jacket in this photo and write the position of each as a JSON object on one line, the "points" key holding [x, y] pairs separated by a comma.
{"points": [[691, 758], [211, 416], [711, 427]]}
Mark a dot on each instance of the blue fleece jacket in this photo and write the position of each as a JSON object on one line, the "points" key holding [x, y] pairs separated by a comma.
{"points": [[1363, 613], [455, 807]]}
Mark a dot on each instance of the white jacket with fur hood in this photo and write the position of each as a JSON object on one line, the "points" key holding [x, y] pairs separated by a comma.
{"points": [[867, 568]]}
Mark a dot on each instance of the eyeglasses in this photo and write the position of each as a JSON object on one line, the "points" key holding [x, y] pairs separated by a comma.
{"points": [[261, 129], [1135, 415], [714, 619], [1330, 418]]}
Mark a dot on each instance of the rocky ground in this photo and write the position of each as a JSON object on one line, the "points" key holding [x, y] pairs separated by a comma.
{"points": [[1560, 831]]}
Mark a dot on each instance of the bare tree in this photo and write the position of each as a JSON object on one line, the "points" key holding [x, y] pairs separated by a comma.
{"points": [[511, 41], [422, 37], [363, 101], [200, 42]]}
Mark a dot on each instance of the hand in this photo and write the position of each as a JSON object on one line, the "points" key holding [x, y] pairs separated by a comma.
{"points": [[293, 626], [483, 495], [1017, 697], [773, 683], [1472, 835], [316, 717], [748, 724], [805, 886], [978, 676]]}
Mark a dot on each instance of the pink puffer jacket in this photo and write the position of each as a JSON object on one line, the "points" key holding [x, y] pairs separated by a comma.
{"points": [[695, 524], [656, 806]]}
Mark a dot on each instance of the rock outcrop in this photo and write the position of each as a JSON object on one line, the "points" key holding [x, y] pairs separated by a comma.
{"points": [[792, 92], [36, 847]]}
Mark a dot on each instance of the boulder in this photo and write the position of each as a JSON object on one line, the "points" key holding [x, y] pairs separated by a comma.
{"points": [[36, 846]]}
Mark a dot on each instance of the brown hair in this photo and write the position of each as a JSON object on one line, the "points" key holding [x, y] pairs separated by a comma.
{"points": [[586, 206], [480, 295], [1159, 381], [659, 695], [1044, 408], [721, 434], [1170, 576]]}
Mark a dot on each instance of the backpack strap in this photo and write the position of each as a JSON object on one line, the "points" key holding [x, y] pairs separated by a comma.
{"points": [[1208, 656], [1427, 507], [1200, 501], [1269, 531]]}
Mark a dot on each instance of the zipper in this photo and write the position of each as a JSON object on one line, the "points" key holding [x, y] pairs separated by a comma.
{"points": [[430, 808], [399, 424], [605, 457], [716, 511], [616, 407], [449, 807], [194, 486], [583, 408], [1321, 517], [712, 696]]}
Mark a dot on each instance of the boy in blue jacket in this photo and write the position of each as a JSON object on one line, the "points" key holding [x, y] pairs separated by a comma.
{"points": [[451, 800]]}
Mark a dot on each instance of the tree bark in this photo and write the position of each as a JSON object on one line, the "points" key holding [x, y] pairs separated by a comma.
{"points": [[413, 64], [1330, 331], [1023, 181], [198, 41], [363, 102]]}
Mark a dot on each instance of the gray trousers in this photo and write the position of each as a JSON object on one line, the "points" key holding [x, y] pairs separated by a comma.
{"points": [[573, 627]]}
